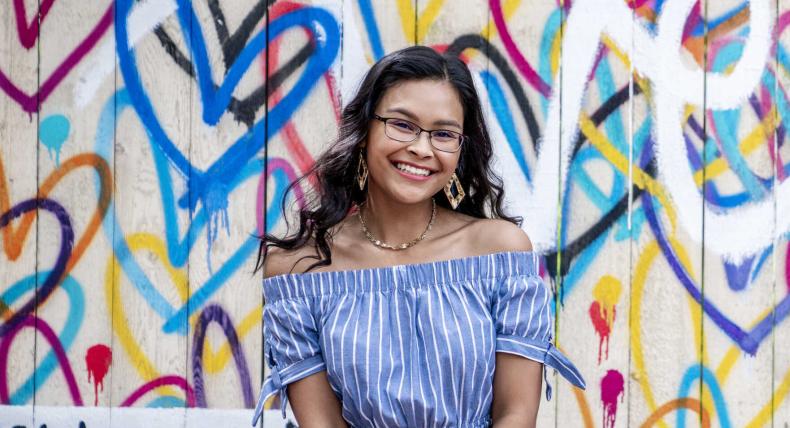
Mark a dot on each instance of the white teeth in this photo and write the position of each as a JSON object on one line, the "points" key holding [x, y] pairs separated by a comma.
{"points": [[412, 170]]}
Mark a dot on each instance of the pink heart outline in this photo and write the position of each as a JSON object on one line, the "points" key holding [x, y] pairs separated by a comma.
{"points": [[29, 33], [31, 103]]}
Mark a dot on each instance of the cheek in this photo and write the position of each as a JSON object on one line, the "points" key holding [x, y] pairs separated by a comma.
{"points": [[451, 164]]}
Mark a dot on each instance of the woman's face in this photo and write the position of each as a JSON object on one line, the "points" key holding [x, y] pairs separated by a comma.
{"points": [[431, 105]]}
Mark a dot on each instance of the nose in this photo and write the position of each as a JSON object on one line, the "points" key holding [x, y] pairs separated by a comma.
{"points": [[421, 148]]}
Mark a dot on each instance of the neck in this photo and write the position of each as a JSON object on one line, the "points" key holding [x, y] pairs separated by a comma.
{"points": [[393, 222]]}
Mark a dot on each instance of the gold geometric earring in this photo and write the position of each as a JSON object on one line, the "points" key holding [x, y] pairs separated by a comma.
{"points": [[362, 171], [456, 199]]}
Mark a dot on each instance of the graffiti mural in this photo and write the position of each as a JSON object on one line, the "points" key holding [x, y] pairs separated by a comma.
{"points": [[145, 144]]}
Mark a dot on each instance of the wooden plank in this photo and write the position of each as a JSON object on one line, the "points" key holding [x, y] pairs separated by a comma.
{"points": [[518, 85], [67, 143], [296, 139], [665, 322], [149, 282], [734, 373], [595, 265], [224, 341], [779, 411], [18, 151]]}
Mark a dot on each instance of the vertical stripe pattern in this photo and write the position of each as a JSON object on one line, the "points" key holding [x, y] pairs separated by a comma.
{"points": [[410, 345]]}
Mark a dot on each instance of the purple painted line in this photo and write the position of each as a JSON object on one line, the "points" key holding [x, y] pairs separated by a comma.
{"points": [[521, 63], [57, 272], [41, 326], [31, 103], [156, 383], [747, 341], [215, 313]]}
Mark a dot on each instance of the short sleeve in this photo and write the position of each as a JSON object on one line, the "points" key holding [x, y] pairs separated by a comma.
{"points": [[524, 321], [290, 346]]}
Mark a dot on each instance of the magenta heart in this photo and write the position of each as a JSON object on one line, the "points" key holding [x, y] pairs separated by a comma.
{"points": [[28, 36], [29, 33]]}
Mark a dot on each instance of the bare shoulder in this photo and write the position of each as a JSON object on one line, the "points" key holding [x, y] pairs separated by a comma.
{"points": [[280, 261], [497, 235]]}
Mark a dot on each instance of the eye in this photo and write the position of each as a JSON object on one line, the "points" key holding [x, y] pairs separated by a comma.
{"points": [[445, 135], [402, 125]]}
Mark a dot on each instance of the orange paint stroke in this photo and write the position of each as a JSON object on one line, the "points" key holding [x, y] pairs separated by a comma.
{"points": [[584, 407], [696, 45], [689, 403], [581, 400], [14, 238]]}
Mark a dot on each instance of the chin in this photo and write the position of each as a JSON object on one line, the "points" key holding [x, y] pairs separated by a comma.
{"points": [[411, 198]]}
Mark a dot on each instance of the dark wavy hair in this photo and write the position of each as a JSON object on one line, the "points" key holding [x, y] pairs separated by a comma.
{"points": [[333, 176]]}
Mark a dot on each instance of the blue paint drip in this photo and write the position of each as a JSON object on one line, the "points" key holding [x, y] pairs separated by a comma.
{"points": [[201, 296], [178, 249], [225, 170], [53, 133]]}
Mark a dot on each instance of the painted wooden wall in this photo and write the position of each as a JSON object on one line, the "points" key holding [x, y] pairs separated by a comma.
{"points": [[642, 140]]}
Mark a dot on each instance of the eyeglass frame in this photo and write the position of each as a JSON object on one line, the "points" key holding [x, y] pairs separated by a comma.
{"points": [[461, 137]]}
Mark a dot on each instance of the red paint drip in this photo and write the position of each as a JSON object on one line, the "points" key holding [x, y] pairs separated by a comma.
{"points": [[611, 388], [598, 317], [98, 359]]}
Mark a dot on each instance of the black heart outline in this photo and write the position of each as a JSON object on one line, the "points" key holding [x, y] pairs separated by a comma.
{"points": [[243, 110]]}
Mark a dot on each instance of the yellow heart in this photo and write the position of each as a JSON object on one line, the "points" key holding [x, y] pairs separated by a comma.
{"points": [[120, 324]]}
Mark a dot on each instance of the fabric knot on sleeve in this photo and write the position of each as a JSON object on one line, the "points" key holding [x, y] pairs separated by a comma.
{"points": [[522, 310], [555, 359], [291, 349]]}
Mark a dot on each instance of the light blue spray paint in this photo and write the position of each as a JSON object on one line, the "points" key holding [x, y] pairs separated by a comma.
{"points": [[53, 133]]}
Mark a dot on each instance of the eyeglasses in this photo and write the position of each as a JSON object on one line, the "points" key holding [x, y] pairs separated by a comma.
{"points": [[406, 132]]}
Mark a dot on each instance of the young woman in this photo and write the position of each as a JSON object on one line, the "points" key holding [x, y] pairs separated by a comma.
{"points": [[406, 297]]}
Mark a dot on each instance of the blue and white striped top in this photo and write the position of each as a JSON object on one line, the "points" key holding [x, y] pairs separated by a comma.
{"points": [[410, 345]]}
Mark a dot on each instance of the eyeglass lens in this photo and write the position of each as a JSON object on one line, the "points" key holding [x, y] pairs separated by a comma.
{"points": [[405, 131]]}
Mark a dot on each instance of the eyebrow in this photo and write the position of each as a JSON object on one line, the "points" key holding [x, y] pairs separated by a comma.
{"points": [[412, 116]]}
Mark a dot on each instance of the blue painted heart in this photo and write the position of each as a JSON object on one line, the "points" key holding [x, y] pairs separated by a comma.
{"points": [[178, 249], [210, 187]]}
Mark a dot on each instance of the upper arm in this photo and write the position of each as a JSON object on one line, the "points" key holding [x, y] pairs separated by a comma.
{"points": [[517, 385], [291, 346], [314, 403]]}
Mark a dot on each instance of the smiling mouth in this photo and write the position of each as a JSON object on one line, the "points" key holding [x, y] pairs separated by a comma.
{"points": [[412, 170]]}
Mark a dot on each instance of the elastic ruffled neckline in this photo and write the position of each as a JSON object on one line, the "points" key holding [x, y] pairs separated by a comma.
{"points": [[441, 272]]}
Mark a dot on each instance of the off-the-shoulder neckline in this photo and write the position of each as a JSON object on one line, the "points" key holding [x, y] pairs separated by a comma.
{"points": [[362, 271]]}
